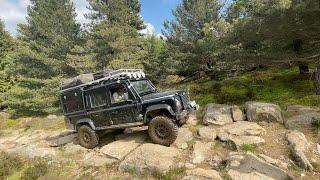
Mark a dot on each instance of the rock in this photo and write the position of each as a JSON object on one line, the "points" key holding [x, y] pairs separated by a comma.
{"points": [[189, 166], [296, 110], [32, 151], [200, 173], [201, 151], [62, 139], [73, 149], [184, 136], [96, 159], [236, 175], [249, 166], [299, 145], [301, 121], [274, 162], [207, 133], [120, 148], [242, 132], [236, 114], [257, 111], [215, 162], [52, 116], [218, 114], [192, 120], [150, 158], [318, 148], [4, 115]]}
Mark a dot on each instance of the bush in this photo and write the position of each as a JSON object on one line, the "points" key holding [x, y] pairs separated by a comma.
{"points": [[9, 165], [36, 169]]}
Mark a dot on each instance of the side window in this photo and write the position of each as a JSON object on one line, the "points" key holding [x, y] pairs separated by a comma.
{"points": [[72, 102], [96, 98], [119, 93]]}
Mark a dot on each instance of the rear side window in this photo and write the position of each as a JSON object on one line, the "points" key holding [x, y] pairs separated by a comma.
{"points": [[96, 98], [72, 102]]}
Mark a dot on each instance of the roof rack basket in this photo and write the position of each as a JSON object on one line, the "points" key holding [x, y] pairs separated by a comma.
{"points": [[114, 74]]}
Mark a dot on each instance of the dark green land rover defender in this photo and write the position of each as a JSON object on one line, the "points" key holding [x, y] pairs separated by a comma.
{"points": [[120, 99]]}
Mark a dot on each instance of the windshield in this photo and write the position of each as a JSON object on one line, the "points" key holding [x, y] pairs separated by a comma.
{"points": [[143, 87]]}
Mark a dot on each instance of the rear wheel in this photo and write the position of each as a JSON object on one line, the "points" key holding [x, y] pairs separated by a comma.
{"points": [[163, 130], [88, 138]]}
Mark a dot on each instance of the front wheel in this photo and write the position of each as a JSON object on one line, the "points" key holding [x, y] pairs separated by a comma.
{"points": [[163, 130], [88, 138]]}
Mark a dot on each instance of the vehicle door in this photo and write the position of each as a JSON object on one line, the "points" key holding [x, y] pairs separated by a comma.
{"points": [[97, 105], [123, 104]]}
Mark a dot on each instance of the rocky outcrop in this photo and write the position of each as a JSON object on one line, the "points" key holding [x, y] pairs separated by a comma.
{"points": [[150, 158], [62, 139], [184, 136], [257, 111], [192, 120], [97, 159], [221, 114], [207, 133], [121, 148], [240, 133], [249, 166], [302, 121], [201, 150], [200, 173], [299, 145]]}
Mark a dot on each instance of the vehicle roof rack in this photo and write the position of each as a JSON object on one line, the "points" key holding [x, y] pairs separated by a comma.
{"points": [[112, 75]]}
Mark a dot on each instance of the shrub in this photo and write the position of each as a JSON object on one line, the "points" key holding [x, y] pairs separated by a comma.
{"points": [[9, 165], [38, 168]]}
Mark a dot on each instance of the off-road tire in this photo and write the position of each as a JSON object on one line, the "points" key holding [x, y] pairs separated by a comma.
{"points": [[88, 138], [163, 130]]}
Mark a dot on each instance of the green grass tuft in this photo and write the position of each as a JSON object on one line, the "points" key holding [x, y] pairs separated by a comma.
{"points": [[248, 147]]}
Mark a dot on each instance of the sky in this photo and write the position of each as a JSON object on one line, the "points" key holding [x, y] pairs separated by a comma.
{"points": [[154, 13]]}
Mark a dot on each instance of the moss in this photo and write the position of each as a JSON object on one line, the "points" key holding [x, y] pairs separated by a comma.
{"points": [[248, 147], [173, 173], [11, 123]]}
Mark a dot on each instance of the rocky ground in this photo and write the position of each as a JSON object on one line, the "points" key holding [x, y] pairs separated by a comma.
{"points": [[256, 141]]}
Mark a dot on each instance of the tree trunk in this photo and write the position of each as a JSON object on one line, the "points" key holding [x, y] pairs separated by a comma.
{"points": [[303, 68], [318, 79]]}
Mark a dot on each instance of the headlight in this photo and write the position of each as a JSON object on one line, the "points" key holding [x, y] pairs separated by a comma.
{"points": [[178, 104]]}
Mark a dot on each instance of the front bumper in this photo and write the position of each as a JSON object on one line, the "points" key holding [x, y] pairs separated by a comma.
{"points": [[183, 116]]}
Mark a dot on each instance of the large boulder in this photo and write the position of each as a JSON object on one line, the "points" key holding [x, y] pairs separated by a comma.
{"points": [[296, 110], [121, 148], [184, 136], [257, 111], [150, 158], [249, 166], [201, 151], [240, 133], [299, 145], [207, 133], [218, 114], [302, 121], [200, 173], [236, 114], [62, 139]]}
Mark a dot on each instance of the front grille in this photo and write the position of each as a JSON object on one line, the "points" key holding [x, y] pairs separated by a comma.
{"points": [[184, 99]]}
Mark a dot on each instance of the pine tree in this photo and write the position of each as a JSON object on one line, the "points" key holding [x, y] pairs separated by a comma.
{"points": [[193, 35], [40, 60], [6, 48], [115, 34]]}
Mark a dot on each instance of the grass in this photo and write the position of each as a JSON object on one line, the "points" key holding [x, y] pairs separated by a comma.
{"points": [[173, 173], [248, 147], [279, 86], [13, 167]]}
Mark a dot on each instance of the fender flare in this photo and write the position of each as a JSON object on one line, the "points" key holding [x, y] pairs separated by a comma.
{"points": [[158, 107], [87, 121]]}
